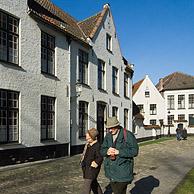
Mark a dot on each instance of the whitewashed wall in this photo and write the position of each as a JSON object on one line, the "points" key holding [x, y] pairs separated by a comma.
{"points": [[28, 80]]}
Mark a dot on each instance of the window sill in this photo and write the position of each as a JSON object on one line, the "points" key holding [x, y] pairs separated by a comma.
{"points": [[181, 108], [115, 94], [49, 141], [11, 65], [102, 90], [85, 85], [48, 75], [109, 51], [126, 97]]}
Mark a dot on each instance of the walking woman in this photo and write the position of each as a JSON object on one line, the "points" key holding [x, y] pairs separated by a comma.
{"points": [[91, 161]]}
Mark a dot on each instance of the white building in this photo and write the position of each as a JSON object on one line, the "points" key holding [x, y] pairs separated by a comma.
{"points": [[178, 92], [44, 56], [106, 80], [151, 106]]}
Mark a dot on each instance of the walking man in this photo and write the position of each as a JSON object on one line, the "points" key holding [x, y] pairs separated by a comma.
{"points": [[119, 148]]}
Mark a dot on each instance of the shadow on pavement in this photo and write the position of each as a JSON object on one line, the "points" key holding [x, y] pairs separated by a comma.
{"points": [[145, 185]]}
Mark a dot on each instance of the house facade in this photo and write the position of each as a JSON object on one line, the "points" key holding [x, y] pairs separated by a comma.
{"points": [[106, 80], [178, 92], [46, 56], [148, 123]]}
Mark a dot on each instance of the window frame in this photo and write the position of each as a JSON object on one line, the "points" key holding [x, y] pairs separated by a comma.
{"points": [[180, 105], [126, 85], [83, 67], [170, 119], [126, 118], [109, 42], [83, 118], [47, 113], [152, 121], [147, 94], [48, 49], [101, 74], [170, 102], [141, 108], [191, 101], [14, 35], [8, 109], [115, 111], [115, 83], [153, 109]]}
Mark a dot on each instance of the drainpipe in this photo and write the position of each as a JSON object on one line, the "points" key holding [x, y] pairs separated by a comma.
{"points": [[69, 92]]}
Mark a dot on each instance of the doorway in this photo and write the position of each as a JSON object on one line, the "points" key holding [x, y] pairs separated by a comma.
{"points": [[101, 117]]}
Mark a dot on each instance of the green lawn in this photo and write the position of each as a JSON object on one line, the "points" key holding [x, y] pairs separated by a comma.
{"points": [[187, 184], [156, 141]]}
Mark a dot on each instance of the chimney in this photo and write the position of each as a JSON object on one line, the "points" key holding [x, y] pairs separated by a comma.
{"points": [[161, 85]]}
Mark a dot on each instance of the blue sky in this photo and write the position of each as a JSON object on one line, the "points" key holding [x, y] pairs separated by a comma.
{"points": [[157, 36]]}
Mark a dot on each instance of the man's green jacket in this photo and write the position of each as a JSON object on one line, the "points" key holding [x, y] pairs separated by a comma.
{"points": [[120, 169]]}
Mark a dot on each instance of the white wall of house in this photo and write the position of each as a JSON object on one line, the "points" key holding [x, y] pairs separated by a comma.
{"points": [[154, 98], [90, 93], [186, 111], [28, 80]]}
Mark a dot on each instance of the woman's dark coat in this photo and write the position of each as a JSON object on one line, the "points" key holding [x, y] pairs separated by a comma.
{"points": [[92, 154]]}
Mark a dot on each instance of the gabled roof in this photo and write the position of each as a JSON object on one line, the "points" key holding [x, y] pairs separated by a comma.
{"points": [[176, 81], [91, 24], [136, 86], [48, 12]]}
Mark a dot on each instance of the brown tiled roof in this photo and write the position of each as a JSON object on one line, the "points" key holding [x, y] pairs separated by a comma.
{"points": [[91, 24], [177, 81], [48, 12], [136, 86]]}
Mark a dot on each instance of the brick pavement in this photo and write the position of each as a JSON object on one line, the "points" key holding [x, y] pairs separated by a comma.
{"points": [[159, 168]]}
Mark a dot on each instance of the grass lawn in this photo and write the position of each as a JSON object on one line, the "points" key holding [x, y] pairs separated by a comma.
{"points": [[156, 141], [187, 184]]}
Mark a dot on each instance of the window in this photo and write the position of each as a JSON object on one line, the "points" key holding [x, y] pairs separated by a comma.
{"points": [[47, 118], [191, 100], [140, 106], [153, 109], [9, 36], [83, 118], [181, 101], [170, 102], [9, 111], [152, 122], [126, 120], [101, 74], [191, 119], [126, 85], [114, 111], [47, 53], [147, 94], [115, 80], [83, 67], [181, 117], [170, 119], [108, 42]]}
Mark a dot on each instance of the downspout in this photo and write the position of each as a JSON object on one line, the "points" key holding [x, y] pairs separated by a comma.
{"points": [[69, 93]]}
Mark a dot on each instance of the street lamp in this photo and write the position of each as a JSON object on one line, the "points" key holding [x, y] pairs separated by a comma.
{"points": [[169, 124], [78, 89]]}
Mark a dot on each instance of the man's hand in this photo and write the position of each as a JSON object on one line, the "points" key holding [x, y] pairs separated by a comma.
{"points": [[112, 151]]}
